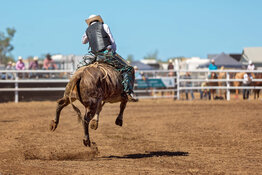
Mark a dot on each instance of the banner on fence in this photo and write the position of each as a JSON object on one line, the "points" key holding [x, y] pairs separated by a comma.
{"points": [[163, 82]]}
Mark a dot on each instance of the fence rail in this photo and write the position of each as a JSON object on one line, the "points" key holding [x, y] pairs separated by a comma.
{"points": [[145, 93]]}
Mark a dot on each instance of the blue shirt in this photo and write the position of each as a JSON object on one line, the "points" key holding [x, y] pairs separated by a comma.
{"points": [[212, 67]]}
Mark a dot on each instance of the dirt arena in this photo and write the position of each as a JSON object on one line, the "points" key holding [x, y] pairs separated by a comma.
{"points": [[157, 137]]}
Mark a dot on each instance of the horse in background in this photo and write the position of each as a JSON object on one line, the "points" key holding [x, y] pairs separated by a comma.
{"points": [[257, 83], [239, 75], [222, 75], [212, 92]]}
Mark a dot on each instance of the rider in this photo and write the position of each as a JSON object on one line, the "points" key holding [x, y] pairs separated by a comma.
{"points": [[103, 49]]}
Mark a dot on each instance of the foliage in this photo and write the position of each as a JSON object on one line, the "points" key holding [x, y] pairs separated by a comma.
{"points": [[5, 45], [130, 58], [152, 56]]}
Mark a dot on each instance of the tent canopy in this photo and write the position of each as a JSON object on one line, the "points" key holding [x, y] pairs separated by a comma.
{"points": [[224, 60]]}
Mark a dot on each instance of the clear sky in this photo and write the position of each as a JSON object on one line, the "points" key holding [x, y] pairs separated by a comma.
{"points": [[140, 27]]}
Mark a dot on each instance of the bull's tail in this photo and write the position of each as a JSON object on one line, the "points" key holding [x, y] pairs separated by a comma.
{"points": [[75, 83]]}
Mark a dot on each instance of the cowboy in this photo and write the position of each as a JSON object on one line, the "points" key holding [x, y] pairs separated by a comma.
{"points": [[250, 66], [103, 49], [212, 65]]}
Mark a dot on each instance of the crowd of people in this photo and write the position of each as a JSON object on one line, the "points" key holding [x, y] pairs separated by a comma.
{"points": [[48, 64]]}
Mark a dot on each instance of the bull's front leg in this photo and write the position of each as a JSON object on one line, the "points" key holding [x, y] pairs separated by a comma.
{"points": [[119, 119], [61, 103]]}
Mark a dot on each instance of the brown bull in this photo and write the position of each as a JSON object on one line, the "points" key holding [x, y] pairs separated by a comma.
{"points": [[93, 86]]}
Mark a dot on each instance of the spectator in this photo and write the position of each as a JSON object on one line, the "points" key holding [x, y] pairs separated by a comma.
{"points": [[188, 84], [49, 63], [20, 65], [246, 82], [212, 65], [171, 68], [138, 74], [34, 66], [250, 66], [8, 75]]}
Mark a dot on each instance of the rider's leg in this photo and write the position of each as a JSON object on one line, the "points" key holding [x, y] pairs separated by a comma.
{"points": [[124, 68], [86, 60]]}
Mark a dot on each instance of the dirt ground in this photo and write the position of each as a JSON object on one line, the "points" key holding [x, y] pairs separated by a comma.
{"points": [[157, 137]]}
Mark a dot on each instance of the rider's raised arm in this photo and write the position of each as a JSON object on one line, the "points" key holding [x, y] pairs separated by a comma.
{"points": [[84, 39]]}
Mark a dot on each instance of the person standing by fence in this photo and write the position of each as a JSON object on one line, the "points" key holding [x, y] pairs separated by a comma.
{"points": [[20, 65], [246, 82], [189, 84], [34, 66], [49, 63]]}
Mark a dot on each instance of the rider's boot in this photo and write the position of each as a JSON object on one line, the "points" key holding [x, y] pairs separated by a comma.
{"points": [[130, 97]]}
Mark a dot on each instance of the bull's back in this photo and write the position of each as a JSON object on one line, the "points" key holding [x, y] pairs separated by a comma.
{"points": [[101, 81]]}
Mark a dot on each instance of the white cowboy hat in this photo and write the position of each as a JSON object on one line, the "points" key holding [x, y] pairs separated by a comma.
{"points": [[93, 18], [250, 62], [20, 58], [35, 58], [212, 61]]}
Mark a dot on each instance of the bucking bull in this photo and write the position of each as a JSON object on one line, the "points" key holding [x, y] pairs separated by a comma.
{"points": [[93, 86]]}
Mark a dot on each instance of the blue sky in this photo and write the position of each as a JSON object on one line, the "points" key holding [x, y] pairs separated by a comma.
{"points": [[170, 27]]}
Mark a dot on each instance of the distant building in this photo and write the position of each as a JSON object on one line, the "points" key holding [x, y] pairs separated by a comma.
{"points": [[253, 54], [193, 63], [151, 62], [224, 60], [66, 62]]}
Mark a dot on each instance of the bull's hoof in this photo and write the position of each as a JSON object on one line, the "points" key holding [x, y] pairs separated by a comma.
{"points": [[86, 142], [119, 122], [53, 125], [94, 148], [94, 124]]}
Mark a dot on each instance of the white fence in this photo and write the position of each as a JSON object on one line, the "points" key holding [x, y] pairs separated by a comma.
{"points": [[62, 76]]}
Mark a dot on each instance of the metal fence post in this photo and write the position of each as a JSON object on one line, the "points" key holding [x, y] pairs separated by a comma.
{"points": [[178, 84], [228, 86], [16, 88]]}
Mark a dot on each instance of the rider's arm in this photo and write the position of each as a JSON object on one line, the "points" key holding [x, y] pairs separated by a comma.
{"points": [[107, 30], [84, 39]]}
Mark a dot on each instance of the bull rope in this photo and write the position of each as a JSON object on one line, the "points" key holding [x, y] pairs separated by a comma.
{"points": [[97, 65]]}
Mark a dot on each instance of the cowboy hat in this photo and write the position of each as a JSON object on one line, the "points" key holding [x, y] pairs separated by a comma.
{"points": [[93, 18]]}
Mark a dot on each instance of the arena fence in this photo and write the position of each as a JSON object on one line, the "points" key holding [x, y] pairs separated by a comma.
{"points": [[149, 84]]}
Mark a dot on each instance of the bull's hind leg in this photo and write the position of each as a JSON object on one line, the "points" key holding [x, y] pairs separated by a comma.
{"points": [[94, 121], [87, 118], [61, 103], [119, 119]]}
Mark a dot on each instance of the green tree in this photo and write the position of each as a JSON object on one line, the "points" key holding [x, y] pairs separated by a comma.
{"points": [[152, 56], [130, 58], [5, 45]]}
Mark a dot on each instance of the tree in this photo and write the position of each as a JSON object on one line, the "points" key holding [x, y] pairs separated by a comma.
{"points": [[5, 45], [130, 58], [151, 56]]}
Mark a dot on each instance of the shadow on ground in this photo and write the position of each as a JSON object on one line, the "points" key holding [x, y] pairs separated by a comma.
{"points": [[150, 154]]}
